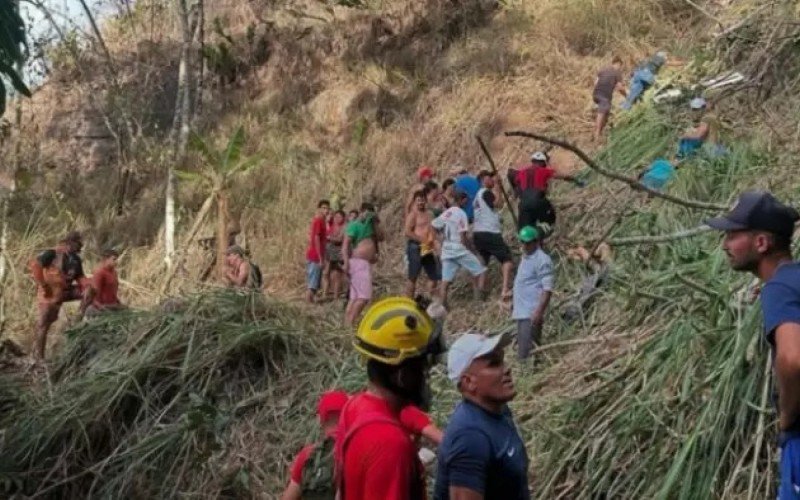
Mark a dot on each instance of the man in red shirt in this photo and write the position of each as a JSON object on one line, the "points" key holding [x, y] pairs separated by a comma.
{"points": [[328, 409], [315, 254], [105, 285], [537, 174], [375, 453]]}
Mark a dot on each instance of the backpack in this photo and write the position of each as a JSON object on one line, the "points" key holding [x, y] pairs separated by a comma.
{"points": [[363, 420], [319, 472], [256, 279]]}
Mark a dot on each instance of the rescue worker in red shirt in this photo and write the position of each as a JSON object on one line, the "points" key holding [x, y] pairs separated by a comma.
{"points": [[530, 185], [375, 454], [103, 293], [49, 295], [328, 409]]}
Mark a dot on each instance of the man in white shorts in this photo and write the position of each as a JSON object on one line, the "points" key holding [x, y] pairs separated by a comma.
{"points": [[457, 247]]}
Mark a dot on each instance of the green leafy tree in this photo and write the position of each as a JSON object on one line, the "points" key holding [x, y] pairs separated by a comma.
{"points": [[220, 168], [12, 40]]}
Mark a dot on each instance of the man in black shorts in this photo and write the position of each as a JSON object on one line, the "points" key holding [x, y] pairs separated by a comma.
{"points": [[420, 246], [488, 230]]}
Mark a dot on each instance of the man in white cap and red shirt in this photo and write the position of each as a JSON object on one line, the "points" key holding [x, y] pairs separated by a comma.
{"points": [[758, 236], [482, 454]]}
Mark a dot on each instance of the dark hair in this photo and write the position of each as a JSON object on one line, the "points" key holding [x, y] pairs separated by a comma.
{"points": [[367, 207], [380, 374], [353, 212], [431, 185], [422, 193], [47, 257], [484, 173], [341, 212], [109, 252], [324, 203], [448, 182], [782, 242], [616, 60], [460, 195]]}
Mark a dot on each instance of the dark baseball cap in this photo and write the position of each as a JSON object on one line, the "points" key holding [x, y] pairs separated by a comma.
{"points": [[758, 211]]}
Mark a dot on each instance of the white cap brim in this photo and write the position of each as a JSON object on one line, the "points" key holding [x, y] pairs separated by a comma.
{"points": [[460, 357]]}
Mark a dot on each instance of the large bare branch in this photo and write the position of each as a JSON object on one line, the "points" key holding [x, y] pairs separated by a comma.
{"points": [[632, 182], [660, 238]]}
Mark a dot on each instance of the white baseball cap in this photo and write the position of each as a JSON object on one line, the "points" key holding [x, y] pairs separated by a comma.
{"points": [[468, 348], [539, 156], [698, 103]]}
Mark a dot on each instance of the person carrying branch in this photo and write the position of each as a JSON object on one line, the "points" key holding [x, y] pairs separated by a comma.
{"points": [[758, 236]]}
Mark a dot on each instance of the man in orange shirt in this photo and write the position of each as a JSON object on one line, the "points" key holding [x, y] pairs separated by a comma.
{"points": [[105, 285], [49, 296]]}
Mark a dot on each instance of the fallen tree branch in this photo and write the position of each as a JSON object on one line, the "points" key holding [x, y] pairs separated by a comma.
{"points": [[659, 238], [632, 182], [499, 179], [587, 340]]}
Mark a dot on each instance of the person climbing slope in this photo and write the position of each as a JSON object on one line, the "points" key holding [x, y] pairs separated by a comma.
{"points": [[241, 272], [530, 185], [457, 248], [359, 252], [103, 294], [375, 453], [488, 228], [758, 237], [49, 295], [312, 473], [608, 81], [315, 254], [420, 246]]}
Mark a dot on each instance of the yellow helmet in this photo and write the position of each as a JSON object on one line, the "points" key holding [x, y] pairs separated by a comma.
{"points": [[393, 330]]}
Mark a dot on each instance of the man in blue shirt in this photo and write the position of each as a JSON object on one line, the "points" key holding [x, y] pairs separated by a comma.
{"points": [[470, 185], [758, 236], [482, 456]]}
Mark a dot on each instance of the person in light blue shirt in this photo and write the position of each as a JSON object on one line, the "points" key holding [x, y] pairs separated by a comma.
{"points": [[533, 287]]}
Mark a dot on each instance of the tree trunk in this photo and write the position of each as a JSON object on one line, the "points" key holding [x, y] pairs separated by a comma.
{"points": [[201, 216], [222, 231], [169, 219]]}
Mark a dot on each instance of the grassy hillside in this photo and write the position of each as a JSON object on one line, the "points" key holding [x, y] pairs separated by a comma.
{"points": [[658, 390]]}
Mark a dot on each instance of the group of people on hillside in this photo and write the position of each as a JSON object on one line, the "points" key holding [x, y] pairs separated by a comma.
{"points": [[59, 277], [370, 441], [449, 228]]}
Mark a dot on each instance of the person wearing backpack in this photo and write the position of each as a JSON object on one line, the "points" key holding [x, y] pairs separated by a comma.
{"points": [[312, 473], [376, 456], [240, 271]]}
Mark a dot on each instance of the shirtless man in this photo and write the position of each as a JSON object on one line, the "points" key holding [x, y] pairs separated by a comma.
{"points": [[359, 252], [238, 271], [424, 175], [420, 246]]}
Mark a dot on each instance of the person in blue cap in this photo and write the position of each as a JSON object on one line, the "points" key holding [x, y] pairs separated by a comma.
{"points": [[482, 454], [644, 76], [758, 236]]}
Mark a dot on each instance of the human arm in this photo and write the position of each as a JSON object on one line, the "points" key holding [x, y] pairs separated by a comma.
{"points": [[787, 374], [292, 491], [698, 132], [318, 228], [547, 276], [346, 253], [419, 423], [241, 273], [467, 462]]}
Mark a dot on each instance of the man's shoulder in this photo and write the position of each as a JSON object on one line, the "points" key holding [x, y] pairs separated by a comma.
{"points": [[786, 277]]}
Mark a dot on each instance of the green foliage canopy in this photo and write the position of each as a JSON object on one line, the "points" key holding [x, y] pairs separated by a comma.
{"points": [[12, 40]]}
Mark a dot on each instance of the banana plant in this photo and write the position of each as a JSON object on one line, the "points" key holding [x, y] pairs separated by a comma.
{"points": [[12, 40], [219, 170]]}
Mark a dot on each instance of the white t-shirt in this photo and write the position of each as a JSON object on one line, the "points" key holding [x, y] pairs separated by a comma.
{"points": [[486, 219], [453, 222]]}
